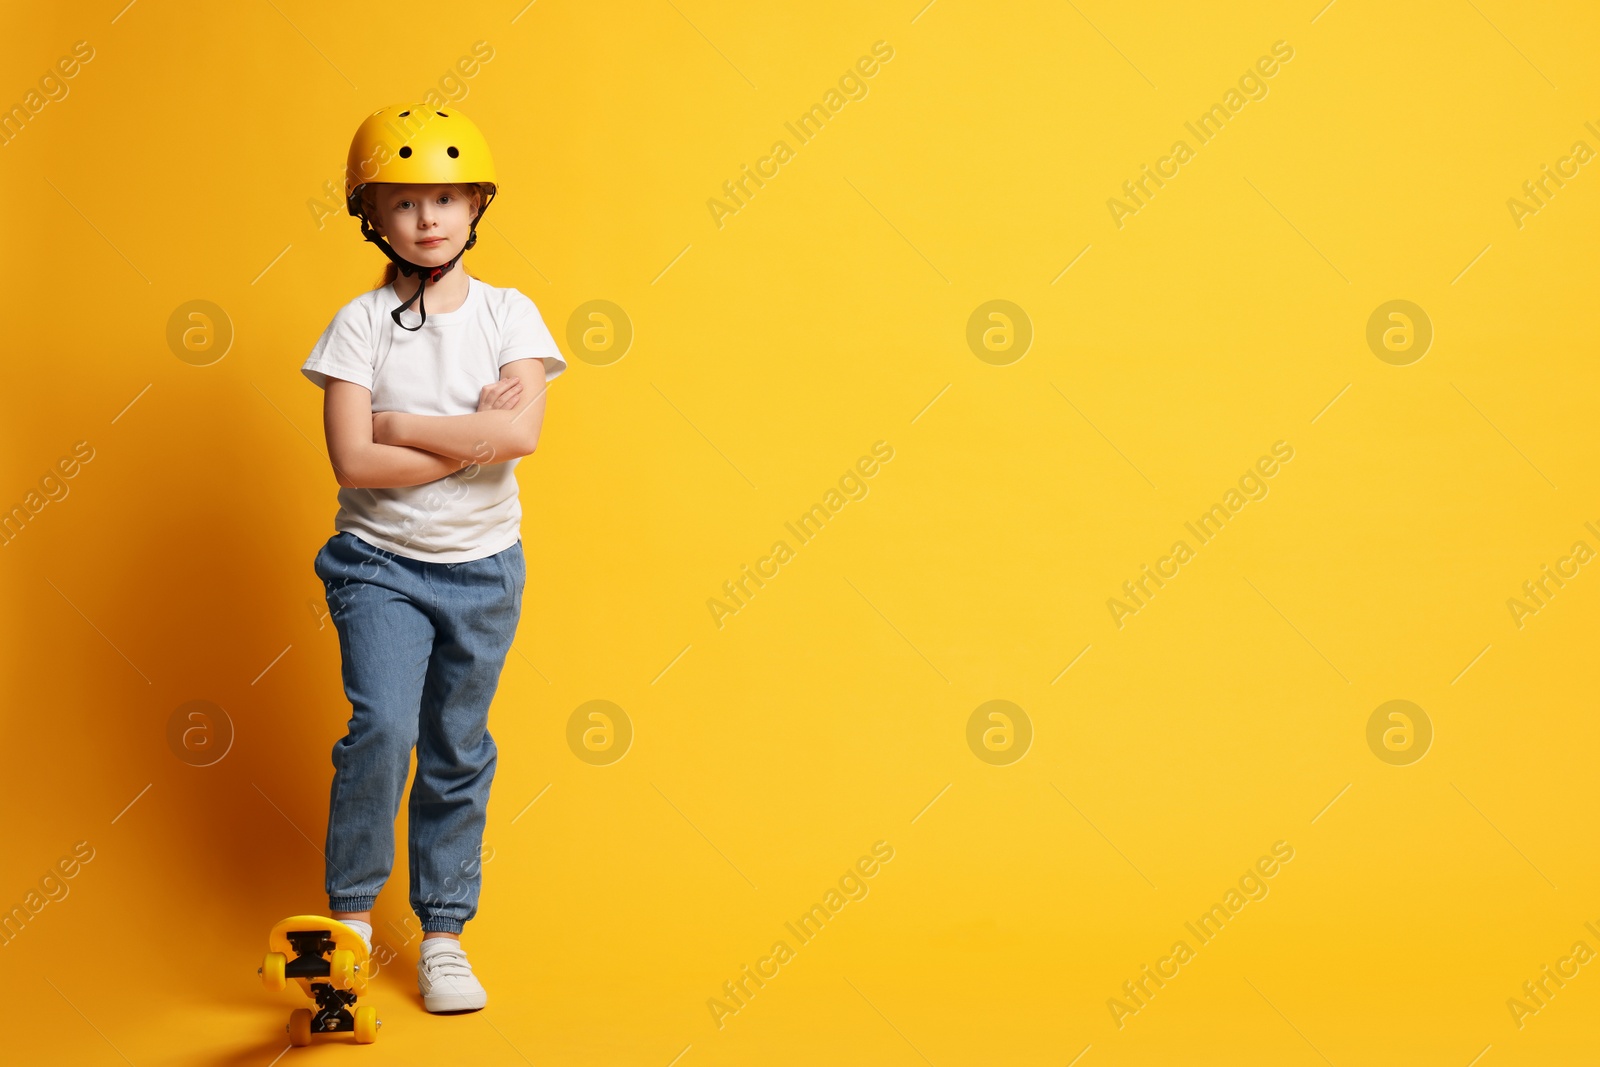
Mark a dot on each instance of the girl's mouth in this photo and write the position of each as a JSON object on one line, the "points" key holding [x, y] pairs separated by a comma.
{"points": [[430, 242]]}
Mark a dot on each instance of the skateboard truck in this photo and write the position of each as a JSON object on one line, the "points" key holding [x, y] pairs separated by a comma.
{"points": [[326, 957]]}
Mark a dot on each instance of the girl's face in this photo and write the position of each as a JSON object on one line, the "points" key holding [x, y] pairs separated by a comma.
{"points": [[426, 224]]}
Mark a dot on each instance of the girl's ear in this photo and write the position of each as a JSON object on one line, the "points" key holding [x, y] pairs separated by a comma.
{"points": [[369, 205]]}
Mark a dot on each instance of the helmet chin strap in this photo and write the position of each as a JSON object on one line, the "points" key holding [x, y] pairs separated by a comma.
{"points": [[428, 274]]}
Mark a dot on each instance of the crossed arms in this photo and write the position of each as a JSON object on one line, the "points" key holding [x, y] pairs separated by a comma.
{"points": [[388, 449]]}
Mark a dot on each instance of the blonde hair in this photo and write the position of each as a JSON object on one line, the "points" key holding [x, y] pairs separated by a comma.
{"points": [[369, 207]]}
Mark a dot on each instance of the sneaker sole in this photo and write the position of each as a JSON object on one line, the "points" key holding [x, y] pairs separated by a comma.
{"points": [[454, 1001]]}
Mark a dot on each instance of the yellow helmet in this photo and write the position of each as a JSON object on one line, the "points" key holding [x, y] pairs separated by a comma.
{"points": [[414, 144]]}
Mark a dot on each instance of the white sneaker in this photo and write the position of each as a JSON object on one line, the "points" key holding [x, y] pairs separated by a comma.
{"points": [[446, 981]]}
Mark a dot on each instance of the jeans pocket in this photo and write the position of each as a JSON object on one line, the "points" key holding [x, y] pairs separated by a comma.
{"points": [[319, 564], [343, 567], [515, 569]]}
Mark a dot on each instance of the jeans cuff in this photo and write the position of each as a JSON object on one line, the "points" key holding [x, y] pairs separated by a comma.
{"points": [[351, 903], [441, 924]]}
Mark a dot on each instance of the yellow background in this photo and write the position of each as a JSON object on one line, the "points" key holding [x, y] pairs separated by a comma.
{"points": [[826, 315]]}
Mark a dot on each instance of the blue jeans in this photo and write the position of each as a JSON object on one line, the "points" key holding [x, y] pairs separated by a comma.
{"points": [[422, 645]]}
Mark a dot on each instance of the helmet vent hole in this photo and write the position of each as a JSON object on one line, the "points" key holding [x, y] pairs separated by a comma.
{"points": [[441, 114], [453, 151], [405, 152], [403, 114]]}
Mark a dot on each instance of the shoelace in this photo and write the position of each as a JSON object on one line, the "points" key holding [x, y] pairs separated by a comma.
{"points": [[447, 963]]}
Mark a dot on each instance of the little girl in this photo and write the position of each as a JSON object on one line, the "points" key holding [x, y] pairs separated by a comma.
{"points": [[426, 414]]}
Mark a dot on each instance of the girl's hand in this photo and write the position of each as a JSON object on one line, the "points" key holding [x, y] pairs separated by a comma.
{"points": [[502, 394]]}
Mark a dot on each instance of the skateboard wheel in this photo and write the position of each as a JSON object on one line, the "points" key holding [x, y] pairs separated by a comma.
{"points": [[272, 971], [366, 1024], [300, 1026], [342, 968]]}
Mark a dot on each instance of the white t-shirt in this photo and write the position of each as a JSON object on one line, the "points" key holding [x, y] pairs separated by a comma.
{"points": [[439, 369]]}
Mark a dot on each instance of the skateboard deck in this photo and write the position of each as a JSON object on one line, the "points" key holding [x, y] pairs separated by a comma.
{"points": [[330, 963]]}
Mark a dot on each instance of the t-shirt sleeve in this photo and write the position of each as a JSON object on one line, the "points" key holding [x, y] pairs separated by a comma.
{"points": [[527, 337], [343, 351]]}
